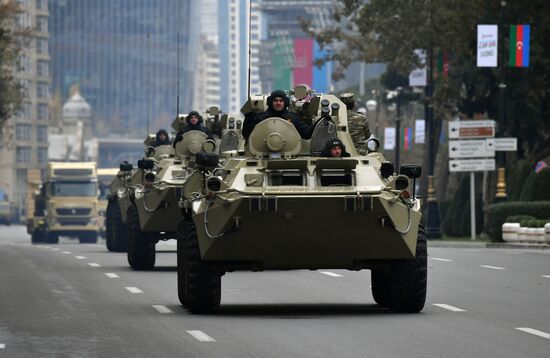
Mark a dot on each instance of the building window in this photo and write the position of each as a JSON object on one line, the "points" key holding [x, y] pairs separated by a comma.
{"points": [[42, 90], [24, 87], [41, 4], [23, 20], [41, 45], [25, 65], [42, 111], [25, 111], [42, 23], [23, 132], [42, 155], [42, 68], [23, 154], [42, 134]]}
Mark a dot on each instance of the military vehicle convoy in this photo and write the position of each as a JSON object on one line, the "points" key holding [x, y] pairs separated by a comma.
{"points": [[117, 204], [279, 205], [104, 177], [66, 204]]}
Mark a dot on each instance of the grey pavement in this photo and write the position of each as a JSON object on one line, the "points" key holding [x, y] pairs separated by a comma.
{"points": [[53, 303]]}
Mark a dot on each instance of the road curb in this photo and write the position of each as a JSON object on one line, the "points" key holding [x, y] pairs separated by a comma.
{"points": [[490, 245]]}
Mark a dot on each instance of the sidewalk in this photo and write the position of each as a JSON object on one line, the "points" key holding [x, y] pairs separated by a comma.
{"points": [[484, 244]]}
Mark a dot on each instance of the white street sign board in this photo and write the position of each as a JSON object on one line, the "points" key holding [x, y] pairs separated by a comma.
{"points": [[472, 148], [487, 45], [471, 165], [472, 129], [503, 144]]}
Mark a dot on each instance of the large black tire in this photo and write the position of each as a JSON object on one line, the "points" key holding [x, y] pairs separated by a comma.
{"points": [[141, 247], [408, 279], [88, 238], [199, 282], [380, 287], [109, 225], [51, 238], [37, 237], [117, 238]]}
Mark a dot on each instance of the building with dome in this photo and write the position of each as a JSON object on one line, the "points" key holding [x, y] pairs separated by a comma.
{"points": [[74, 129]]}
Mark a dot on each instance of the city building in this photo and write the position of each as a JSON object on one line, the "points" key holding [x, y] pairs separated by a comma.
{"points": [[124, 56], [233, 39], [28, 146], [207, 75]]}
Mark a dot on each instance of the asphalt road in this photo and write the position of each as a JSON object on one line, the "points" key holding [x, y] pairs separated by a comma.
{"points": [[72, 300]]}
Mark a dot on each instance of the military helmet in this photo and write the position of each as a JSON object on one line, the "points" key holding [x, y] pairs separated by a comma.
{"points": [[348, 99]]}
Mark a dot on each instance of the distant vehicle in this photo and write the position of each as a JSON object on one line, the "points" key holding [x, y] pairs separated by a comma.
{"points": [[66, 204], [278, 205], [8, 211]]}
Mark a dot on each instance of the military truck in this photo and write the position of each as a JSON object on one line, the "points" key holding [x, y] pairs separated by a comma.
{"points": [[104, 178], [66, 204], [281, 206]]}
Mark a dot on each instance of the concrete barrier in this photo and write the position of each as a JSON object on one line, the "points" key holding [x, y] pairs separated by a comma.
{"points": [[522, 234], [510, 232], [547, 233]]}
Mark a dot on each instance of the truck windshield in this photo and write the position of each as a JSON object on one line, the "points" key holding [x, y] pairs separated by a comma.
{"points": [[74, 188]]}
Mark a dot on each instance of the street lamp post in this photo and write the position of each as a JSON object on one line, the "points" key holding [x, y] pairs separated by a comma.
{"points": [[396, 96], [372, 106]]}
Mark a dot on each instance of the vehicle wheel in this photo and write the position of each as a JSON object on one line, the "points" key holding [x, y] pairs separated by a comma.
{"points": [[199, 283], [118, 230], [408, 279], [51, 238], [141, 248], [109, 226], [88, 238], [37, 237], [380, 287]]}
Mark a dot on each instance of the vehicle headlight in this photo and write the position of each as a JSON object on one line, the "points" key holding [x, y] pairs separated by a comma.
{"points": [[220, 173], [121, 192], [139, 193]]}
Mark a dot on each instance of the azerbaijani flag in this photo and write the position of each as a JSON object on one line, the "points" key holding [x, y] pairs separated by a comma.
{"points": [[406, 139], [519, 45]]}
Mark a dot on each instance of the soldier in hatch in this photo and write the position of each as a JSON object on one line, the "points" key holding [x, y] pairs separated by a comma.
{"points": [[162, 138], [334, 149], [194, 123], [277, 104]]}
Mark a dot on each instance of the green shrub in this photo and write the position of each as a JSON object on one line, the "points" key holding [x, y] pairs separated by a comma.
{"points": [[498, 213], [533, 222], [518, 218]]}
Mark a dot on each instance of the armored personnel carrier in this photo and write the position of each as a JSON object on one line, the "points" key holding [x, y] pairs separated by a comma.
{"points": [[283, 206], [153, 213]]}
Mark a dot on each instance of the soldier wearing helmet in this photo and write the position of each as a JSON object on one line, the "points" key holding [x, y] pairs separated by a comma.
{"points": [[334, 148], [194, 123], [277, 104], [358, 125]]}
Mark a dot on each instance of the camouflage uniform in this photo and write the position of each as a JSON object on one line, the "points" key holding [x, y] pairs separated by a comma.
{"points": [[358, 125]]}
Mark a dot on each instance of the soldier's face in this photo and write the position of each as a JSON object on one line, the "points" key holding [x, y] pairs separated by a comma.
{"points": [[162, 137], [278, 103], [194, 120], [336, 152]]}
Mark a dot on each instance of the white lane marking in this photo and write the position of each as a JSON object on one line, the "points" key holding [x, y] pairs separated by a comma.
{"points": [[201, 336], [440, 259], [80, 257], [94, 264], [2, 346], [536, 332], [66, 252], [546, 276], [133, 289], [331, 274], [449, 307], [162, 309], [493, 267], [55, 249], [112, 275]]}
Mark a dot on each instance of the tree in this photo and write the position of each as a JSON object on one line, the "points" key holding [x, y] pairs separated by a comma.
{"points": [[12, 40], [390, 32]]}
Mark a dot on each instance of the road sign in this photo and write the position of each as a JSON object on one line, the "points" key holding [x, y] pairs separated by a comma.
{"points": [[503, 144], [471, 148], [472, 129], [471, 165]]}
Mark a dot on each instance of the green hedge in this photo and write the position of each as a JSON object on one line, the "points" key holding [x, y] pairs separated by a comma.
{"points": [[534, 222], [498, 213], [519, 218]]}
